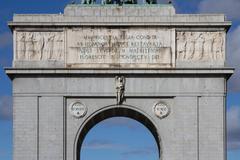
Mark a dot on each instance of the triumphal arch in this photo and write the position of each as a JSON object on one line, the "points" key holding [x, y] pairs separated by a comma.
{"points": [[165, 70]]}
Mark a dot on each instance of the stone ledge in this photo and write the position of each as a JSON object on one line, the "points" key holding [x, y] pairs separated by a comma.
{"points": [[147, 24], [52, 18], [112, 94], [166, 71], [178, 20]]}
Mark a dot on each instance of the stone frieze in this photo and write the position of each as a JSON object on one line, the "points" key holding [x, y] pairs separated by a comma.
{"points": [[39, 46], [200, 46]]}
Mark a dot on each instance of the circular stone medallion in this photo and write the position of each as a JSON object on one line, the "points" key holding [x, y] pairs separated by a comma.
{"points": [[78, 110], [161, 110]]}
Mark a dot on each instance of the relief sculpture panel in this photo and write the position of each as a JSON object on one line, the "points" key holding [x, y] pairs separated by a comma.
{"points": [[200, 46], [39, 46]]}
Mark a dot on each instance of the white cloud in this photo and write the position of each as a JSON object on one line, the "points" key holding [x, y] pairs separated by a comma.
{"points": [[145, 151], [233, 128], [96, 144], [122, 122], [5, 108], [137, 152], [229, 7]]}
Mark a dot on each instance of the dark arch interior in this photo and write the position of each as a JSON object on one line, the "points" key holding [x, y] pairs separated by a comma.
{"points": [[117, 112]]}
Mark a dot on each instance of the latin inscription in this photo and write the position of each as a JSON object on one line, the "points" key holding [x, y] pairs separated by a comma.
{"points": [[119, 46]]}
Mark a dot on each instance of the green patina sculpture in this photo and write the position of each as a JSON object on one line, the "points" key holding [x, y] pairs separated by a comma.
{"points": [[151, 1], [88, 1], [120, 2]]}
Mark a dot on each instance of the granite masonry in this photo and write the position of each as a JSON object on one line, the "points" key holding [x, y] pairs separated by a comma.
{"points": [[163, 69]]}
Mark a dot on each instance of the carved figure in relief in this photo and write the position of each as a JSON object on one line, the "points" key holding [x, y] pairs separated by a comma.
{"points": [[58, 47], [39, 46], [120, 87], [29, 45], [198, 55], [190, 45], [48, 47], [38, 43], [21, 46], [200, 46], [218, 46], [208, 46], [181, 45]]}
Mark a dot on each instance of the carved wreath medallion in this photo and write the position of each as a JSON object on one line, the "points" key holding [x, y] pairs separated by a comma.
{"points": [[161, 110], [78, 109]]}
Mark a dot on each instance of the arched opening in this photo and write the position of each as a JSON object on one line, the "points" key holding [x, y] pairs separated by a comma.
{"points": [[129, 113]]}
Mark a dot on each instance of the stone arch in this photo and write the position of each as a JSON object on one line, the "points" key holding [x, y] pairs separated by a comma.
{"points": [[115, 111]]}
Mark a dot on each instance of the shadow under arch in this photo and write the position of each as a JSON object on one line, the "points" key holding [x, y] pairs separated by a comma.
{"points": [[115, 111]]}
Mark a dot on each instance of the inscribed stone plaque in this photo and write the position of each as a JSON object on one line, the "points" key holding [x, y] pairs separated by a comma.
{"points": [[125, 47]]}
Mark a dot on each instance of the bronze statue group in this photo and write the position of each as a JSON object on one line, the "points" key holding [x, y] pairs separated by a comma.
{"points": [[120, 2]]}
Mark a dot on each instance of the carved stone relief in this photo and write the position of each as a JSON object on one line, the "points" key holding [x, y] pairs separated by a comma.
{"points": [[197, 46], [39, 46], [161, 110], [120, 87]]}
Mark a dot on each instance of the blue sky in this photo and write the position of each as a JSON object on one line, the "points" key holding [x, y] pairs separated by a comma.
{"points": [[128, 139], [95, 141]]}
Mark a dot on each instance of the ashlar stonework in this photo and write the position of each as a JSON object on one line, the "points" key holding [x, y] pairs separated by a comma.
{"points": [[165, 70]]}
